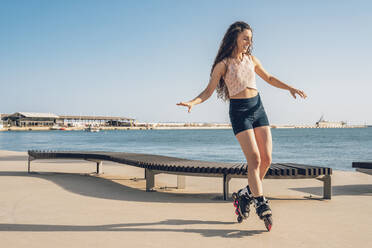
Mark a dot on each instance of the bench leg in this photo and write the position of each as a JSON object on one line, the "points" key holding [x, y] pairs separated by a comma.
{"points": [[99, 167], [327, 186], [181, 182], [226, 181], [150, 179], [29, 164], [30, 158]]}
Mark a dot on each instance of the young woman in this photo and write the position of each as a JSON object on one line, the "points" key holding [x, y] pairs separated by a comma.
{"points": [[233, 77]]}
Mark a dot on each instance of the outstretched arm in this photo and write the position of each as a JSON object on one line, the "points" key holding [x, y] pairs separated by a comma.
{"points": [[218, 71], [274, 81]]}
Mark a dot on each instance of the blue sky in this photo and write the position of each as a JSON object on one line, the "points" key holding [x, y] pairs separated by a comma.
{"points": [[139, 58]]}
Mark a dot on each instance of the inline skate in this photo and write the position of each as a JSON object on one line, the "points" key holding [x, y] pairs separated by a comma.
{"points": [[264, 212], [242, 202]]}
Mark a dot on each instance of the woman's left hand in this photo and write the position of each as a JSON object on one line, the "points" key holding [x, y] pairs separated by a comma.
{"points": [[294, 91]]}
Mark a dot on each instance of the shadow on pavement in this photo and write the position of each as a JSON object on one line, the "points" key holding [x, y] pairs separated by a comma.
{"points": [[93, 186], [356, 189], [136, 227]]}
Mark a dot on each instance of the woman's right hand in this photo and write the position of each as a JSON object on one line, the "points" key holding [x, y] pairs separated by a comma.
{"points": [[186, 104], [294, 91]]}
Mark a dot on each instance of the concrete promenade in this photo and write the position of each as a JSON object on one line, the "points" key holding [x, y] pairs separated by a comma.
{"points": [[65, 204]]}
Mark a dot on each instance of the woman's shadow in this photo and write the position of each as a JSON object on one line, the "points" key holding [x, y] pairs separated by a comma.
{"points": [[138, 227]]}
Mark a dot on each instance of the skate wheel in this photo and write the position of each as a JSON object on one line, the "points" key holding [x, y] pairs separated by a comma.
{"points": [[234, 196], [240, 219], [268, 223]]}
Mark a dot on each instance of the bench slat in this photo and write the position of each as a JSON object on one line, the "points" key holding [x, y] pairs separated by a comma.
{"points": [[173, 164]]}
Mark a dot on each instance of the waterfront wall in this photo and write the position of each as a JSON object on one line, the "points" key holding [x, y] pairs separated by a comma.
{"points": [[167, 127]]}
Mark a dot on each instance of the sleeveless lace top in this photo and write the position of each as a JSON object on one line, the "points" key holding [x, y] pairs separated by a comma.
{"points": [[239, 75]]}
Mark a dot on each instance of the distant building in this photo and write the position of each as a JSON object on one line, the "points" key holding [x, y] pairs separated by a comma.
{"points": [[1, 120], [27, 119], [77, 120]]}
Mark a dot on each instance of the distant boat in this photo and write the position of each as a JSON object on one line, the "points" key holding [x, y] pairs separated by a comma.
{"points": [[65, 129], [322, 123], [92, 129], [55, 127]]}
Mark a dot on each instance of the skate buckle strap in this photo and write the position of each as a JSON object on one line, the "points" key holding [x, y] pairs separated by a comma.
{"points": [[263, 210], [260, 203], [245, 192]]}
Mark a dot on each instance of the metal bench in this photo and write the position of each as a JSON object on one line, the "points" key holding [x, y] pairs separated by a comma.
{"points": [[156, 164], [364, 167]]}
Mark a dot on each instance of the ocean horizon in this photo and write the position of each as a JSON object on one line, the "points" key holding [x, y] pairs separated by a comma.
{"points": [[336, 148]]}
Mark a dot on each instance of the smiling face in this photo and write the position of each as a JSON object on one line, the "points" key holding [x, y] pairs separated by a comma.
{"points": [[243, 41]]}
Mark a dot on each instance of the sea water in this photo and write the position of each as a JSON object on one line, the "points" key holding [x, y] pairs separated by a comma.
{"points": [[336, 148]]}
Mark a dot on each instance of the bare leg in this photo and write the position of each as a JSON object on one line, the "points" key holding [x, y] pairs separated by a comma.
{"points": [[265, 146], [251, 152]]}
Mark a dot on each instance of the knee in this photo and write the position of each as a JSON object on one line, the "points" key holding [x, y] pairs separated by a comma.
{"points": [[266, 160], [254, 162]]}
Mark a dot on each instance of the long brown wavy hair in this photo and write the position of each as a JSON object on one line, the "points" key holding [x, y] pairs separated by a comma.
{"points": [[226, 49]]}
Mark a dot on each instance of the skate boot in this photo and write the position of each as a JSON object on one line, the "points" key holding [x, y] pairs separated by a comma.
{"points": [[263, 211], [242, 201]]}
